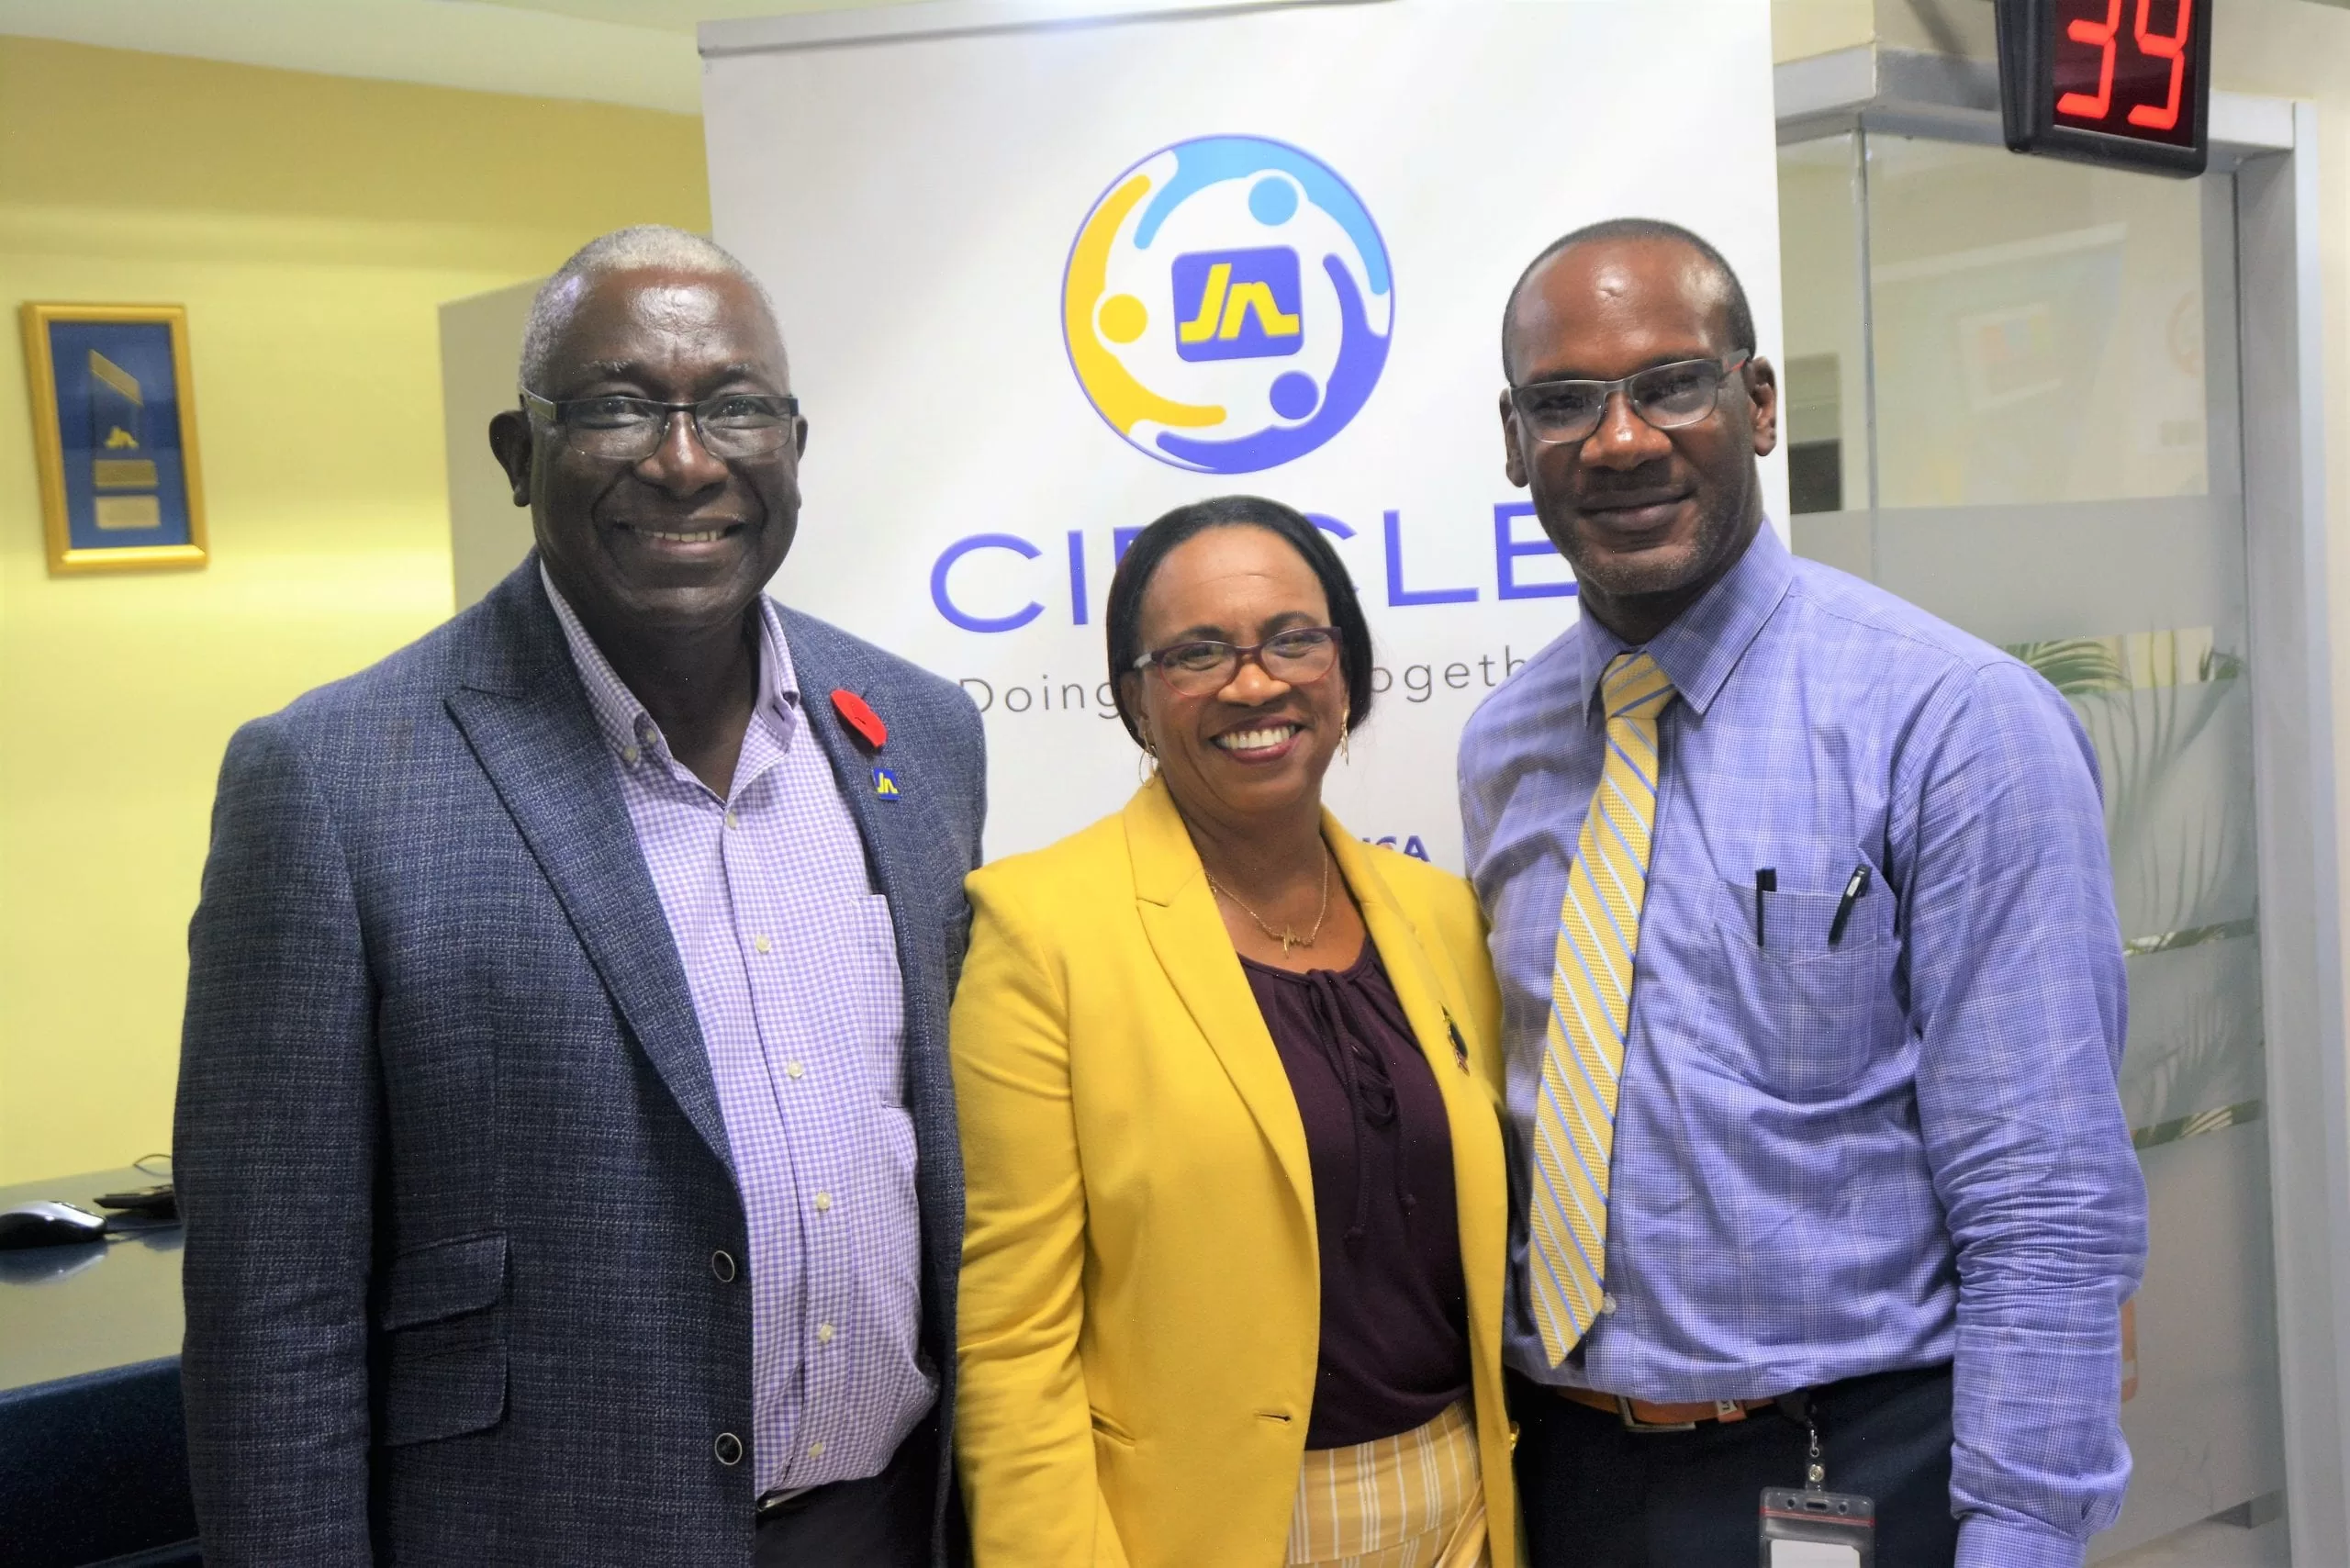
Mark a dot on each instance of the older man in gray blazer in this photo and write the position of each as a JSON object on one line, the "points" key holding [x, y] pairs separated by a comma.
{"points": [[565, 1131]]}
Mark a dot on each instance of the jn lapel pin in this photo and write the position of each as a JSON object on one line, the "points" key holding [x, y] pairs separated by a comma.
{"points": [[1460, 1046], [867, 725]]}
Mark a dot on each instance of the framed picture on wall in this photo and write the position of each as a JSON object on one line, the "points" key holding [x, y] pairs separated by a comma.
{"points": [[113, 434]]}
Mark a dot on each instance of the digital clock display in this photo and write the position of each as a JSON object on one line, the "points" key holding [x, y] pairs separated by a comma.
{"points": [[2121, 81], [2124, 67]]}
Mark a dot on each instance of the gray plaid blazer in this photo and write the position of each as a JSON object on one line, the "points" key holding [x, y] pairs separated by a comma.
{"points": [[447, 1148]]}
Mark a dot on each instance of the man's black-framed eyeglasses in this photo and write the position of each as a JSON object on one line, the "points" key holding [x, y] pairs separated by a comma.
{"points": [[1298, 657], [732, 424], [1666, 396]]}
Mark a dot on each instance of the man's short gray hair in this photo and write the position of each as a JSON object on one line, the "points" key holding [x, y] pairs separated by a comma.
{"points": [[645, 248]]}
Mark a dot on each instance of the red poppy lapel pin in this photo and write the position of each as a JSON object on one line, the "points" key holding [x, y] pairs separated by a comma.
{"points": [[859, 716]]}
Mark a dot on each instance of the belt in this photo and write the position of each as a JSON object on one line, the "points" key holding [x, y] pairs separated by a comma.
{"points": [[1647, 1416]]}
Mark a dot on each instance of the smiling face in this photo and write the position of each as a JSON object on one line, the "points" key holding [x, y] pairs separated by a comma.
{"points": [[1649, 518], [1259, 747], [678, 544]]}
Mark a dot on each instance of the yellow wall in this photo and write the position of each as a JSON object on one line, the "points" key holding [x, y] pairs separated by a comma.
{"points": [[311, 225], [1800, 29]]}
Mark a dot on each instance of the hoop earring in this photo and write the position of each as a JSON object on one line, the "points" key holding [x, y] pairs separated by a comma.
{"points": [[1346, 746]]}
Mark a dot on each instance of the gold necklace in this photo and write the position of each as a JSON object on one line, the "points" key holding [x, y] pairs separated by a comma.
{"points": [[1285, 936]]}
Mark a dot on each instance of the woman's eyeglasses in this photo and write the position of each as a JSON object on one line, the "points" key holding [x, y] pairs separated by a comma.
{"points": [[1295, 657]]}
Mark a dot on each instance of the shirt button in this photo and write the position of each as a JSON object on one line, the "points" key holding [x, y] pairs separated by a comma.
{"points": [[760, 944], [823, 1333], [1608, 1305], [721, 1264], [824, 1202], [793, 1070], [728, 1449], [731, 822], [630, 754], [815, 1451]]}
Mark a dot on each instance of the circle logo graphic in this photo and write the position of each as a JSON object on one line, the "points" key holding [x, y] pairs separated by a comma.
{"points": [[1227, 304]]}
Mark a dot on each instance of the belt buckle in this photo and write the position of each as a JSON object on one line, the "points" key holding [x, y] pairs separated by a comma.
{"points": [[1634, 1424], [781, 1503]]}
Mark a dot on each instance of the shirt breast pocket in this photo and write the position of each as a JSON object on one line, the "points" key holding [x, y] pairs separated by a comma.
{"points": [[1791, 1014]]}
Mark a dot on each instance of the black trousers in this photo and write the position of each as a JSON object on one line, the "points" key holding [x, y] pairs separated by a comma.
{"points": [[1596, 1495], [882, 1521]]}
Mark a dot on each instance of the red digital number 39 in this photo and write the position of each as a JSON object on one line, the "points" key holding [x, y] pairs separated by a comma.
{"points": [[2081, 105], [2104, 37], [2154, 46]]}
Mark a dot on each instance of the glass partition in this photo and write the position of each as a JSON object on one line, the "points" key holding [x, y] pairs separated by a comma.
{"points": [[2011, 399]]}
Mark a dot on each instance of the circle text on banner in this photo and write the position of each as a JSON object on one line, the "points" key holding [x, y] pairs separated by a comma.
{"points": [[1227, 304]]}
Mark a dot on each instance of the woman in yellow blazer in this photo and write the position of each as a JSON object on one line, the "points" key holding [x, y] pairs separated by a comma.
{"points": [[1233, 1262]]}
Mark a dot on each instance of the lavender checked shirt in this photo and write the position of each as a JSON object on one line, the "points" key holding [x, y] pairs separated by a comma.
{"points": [[792, 963], [1900, 1149]]}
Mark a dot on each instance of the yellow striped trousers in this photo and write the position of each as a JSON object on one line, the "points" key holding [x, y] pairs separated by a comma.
{"points": [[1414, 1500]]}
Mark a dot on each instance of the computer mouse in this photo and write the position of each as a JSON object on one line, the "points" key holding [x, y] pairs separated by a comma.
{"points": [[47, 1224]]}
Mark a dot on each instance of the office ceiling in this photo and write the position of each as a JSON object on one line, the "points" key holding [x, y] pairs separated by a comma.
{"points": [[668, 15], [639, 52]]}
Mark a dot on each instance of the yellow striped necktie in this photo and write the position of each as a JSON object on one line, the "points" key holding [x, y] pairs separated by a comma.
{"points": [[1591, 1011]]}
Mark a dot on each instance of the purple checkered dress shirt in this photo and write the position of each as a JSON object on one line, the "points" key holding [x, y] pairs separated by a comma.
{"points": [[792, 962], [1900, 1149]]}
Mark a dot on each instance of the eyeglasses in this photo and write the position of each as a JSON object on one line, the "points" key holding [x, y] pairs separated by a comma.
{"points": [[1666, 396], [1295, 657], [734, 424]]}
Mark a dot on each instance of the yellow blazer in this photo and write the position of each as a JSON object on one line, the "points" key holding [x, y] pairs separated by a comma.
{"points": [[1140, 1309]]}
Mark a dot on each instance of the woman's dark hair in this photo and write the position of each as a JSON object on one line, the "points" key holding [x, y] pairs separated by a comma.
{"points": [[1152, 546]]}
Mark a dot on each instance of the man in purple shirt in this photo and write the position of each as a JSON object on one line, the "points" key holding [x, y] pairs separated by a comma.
{"points": [[565, 1138], [1866, 1208]]}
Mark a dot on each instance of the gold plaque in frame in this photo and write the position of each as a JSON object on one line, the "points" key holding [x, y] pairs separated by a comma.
{"points": [[114, 437]]}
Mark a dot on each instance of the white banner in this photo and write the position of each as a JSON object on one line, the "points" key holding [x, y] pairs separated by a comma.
{"points": [[1042, 283]]}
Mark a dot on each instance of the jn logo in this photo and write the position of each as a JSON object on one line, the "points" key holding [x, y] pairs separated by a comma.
{"points": [[1240, 304], [1227, 305]]}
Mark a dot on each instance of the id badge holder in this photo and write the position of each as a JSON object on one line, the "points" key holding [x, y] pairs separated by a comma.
{"points": [[1810, 1527], [1818, 1529]]}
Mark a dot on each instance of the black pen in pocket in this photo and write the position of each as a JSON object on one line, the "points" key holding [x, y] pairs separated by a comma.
{"points": [[1766, 881], [1853, 890]]}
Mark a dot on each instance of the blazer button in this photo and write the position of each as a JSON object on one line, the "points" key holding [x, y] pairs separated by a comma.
{"points": [[729, 1449], [721, 1264]]}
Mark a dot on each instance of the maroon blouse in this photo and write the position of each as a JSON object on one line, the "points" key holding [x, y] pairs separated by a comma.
{"points": [[1394, 1349]]}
